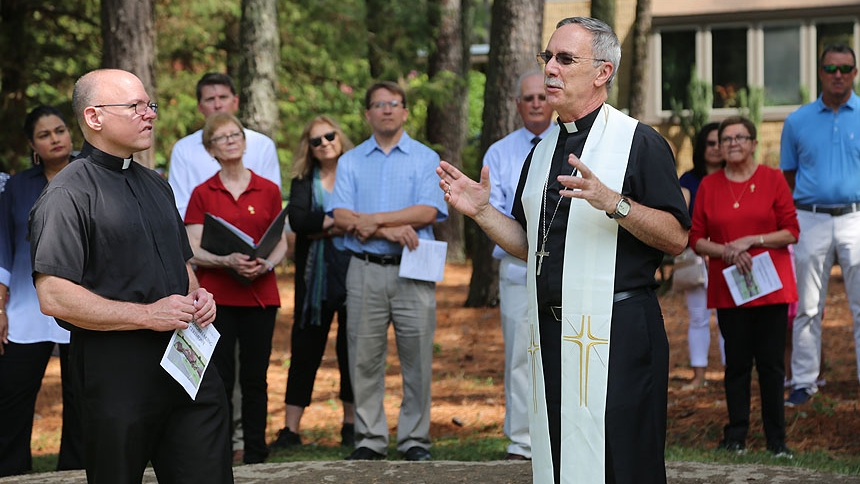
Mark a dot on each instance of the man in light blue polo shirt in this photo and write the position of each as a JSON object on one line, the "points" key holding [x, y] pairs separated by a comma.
{"points": [[820, 156], [505, 159], [386, 197]]}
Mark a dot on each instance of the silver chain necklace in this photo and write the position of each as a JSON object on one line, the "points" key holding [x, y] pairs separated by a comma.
{"points": [[545, 233]]}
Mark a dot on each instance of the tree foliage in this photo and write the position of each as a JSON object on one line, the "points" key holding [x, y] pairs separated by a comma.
{"points": [[44, 46], [323, 68]]}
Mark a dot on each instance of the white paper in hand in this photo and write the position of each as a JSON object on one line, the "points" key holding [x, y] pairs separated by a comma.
{"points": [[426, 262]]}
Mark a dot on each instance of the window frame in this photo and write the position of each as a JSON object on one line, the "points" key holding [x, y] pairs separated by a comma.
{"points": [[808, 76]]}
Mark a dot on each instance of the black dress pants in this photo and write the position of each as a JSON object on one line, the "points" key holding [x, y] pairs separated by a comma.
{"points": [[252, 328], [755, 334], [307, 346], [636, 395], [134, 412], [22, 367]]}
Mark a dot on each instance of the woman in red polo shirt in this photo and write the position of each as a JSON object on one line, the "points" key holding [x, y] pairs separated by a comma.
{"points": [[247, 305]]}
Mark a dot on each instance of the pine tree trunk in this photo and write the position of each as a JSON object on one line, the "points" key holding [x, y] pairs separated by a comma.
{"points": [[128, 43], [515, 38], [639, 61], [258, 69], [447, 123]]}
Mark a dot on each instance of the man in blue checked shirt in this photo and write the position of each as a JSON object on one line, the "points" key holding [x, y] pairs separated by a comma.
{"points": [[386, 197]]}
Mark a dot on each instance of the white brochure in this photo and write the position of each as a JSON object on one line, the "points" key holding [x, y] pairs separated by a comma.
{"points": [[761, 280], [189, 354]]}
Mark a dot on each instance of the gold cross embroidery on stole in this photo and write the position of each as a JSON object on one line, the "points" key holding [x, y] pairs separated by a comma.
{"points": [[585, 345], [533, 349]]}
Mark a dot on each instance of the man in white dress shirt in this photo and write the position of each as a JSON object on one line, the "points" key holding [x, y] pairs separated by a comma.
{"points": [[191, 164], [505, 159]]}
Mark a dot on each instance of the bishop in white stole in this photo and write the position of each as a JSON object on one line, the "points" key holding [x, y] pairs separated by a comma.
{"points": [[588, 283]]}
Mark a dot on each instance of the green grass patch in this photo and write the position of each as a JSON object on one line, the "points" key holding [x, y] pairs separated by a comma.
{"points": [[817, 460]]}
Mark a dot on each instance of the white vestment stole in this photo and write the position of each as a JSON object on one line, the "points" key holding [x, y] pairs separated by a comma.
{"points": [[587, 290]]}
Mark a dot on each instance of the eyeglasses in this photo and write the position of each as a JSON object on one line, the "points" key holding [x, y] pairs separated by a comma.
{"points": [[139, 107], [222, 140], [563, 58], [317, 140], [531, 97], [832, 68], [737, 139], [382, 104]]}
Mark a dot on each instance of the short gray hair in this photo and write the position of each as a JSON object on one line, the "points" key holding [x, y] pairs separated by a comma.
{"points": [[604, 42], [524, 76], [84, 92]]}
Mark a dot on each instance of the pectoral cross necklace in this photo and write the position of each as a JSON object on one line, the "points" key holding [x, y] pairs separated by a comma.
{"points": [[545, 232]]}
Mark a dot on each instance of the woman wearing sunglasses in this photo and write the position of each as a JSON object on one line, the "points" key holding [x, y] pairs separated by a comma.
{"points": [[320, 285], [247, 308]]}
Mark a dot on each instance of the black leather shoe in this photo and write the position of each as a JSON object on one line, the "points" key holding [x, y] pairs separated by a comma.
{"points": [[417, 454], [253, 458], [779, 450], [286, 438], [732, 446], [363, 453], [347, 435]]}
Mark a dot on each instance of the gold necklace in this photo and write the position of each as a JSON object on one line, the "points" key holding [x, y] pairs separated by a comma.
{"points": [[743, 190]]}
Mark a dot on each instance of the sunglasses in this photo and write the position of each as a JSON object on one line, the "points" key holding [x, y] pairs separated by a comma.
{"points": [[531, 97], [563, 58], [832, 68], [712, 143], [317, 141]]}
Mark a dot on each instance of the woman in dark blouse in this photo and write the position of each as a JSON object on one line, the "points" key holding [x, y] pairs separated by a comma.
{"points": [[28, 337], [320, 287]]}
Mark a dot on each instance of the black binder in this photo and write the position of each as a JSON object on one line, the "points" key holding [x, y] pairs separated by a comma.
{"points": [[221, 238]]}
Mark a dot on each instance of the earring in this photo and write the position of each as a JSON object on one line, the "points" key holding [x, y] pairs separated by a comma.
{"points": [[36, 159]]}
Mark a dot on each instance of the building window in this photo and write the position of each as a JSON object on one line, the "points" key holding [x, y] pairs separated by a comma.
{"points": [[779, 56], [678, 56], [782, 66], [729, 55]]}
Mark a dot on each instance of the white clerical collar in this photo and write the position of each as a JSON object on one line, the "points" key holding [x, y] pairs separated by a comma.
{"points": [[570, 127], [126, 163]]}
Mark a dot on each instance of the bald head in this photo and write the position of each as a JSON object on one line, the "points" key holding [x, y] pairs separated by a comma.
{"points": [[114, 126], [89, 86]]}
